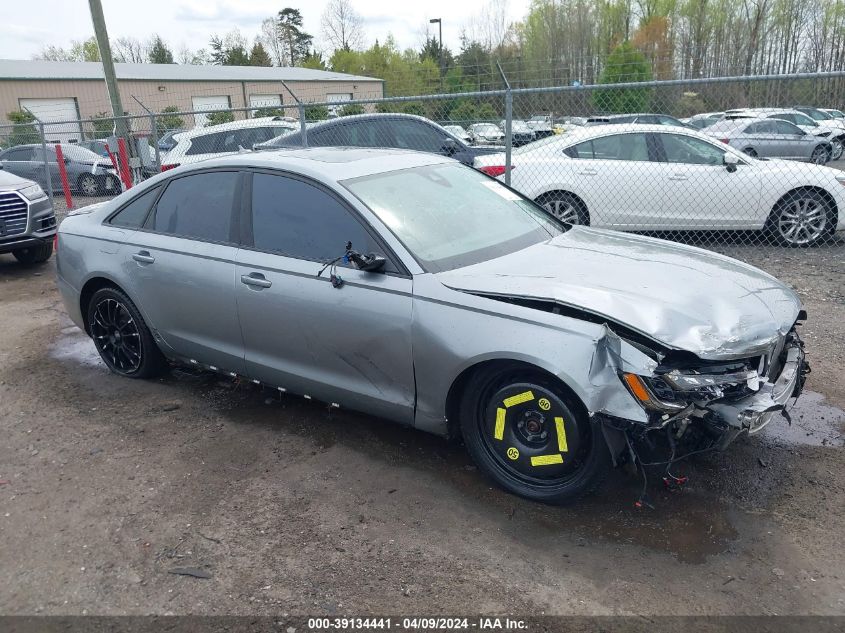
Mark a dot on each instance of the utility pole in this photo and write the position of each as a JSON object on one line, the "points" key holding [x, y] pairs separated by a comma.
{"points": [[439, 22], [108, 65]]}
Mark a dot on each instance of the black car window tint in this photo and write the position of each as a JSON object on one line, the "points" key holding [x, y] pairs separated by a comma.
{"points": [[198, 206], [134, 213], [297, 219]]}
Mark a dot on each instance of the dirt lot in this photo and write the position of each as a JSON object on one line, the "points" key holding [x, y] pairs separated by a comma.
{"points": [[107, 485]]}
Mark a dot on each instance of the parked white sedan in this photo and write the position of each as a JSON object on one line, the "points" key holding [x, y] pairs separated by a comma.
{"points": [[225, 138], [655, 178]]}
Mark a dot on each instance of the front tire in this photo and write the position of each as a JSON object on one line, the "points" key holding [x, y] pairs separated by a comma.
{"points": [[802, 218], [34, 254], [88, 185], [525, 432], [836, 148], [121, 337]]}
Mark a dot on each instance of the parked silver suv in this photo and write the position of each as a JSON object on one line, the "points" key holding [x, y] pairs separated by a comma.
{"points": [[27, 220]]}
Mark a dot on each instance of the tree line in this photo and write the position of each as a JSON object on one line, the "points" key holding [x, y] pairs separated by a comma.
{"points": [[558, 42]]}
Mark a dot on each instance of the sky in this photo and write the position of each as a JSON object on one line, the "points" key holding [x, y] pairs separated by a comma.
{"points": [[192, 22]]}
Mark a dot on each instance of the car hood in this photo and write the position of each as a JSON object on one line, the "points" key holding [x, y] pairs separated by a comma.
{"points": [[8, 181], [682, 297]]}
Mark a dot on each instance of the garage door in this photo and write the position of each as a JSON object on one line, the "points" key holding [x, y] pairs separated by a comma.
{"points": [[264, 102], [208, 103], [63, 110]]}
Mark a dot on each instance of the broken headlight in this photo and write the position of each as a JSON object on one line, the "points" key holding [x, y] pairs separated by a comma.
{"points": [[675, 390]]}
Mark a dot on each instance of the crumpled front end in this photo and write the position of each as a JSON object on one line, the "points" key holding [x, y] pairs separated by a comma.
{"points": [[711, 402]]}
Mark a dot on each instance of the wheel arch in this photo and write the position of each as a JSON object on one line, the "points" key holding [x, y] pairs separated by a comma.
{"points": [[824, 193], [91, 286], [458, 386]]}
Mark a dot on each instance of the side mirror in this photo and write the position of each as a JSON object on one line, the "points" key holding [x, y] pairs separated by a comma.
{"points": [[65, 160], [731, 161], [371, 263], [450, 146]]}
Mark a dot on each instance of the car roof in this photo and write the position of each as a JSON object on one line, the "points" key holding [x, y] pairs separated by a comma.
{"points": [[326, 163], [236, 125]]}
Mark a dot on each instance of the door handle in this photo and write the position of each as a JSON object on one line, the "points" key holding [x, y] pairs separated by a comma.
{"points": [[587, 172], [678, 177], [143, 257], [256, 279]]}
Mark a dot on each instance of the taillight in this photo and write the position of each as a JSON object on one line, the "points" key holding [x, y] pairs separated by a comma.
{"points": [[494, 170], [725, 140], [170, 166], [56, 241]]}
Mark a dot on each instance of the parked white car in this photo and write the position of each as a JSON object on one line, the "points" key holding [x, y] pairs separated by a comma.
{"points": [[655, 178], [834, 135], [225, 138]]}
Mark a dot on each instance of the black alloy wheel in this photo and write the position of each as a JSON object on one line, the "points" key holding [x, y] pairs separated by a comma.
{"points": [[121, 337]]}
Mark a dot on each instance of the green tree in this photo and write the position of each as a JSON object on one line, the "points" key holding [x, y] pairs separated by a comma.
{"points": [[625, 64], [221, 116], [103, 125], [296, 41], [269, 111], [229, 50], [464, 110], [316, 113], [314, 60], [168, 121], [258, 56], [159, 53], [24, 130], [350, 109]]}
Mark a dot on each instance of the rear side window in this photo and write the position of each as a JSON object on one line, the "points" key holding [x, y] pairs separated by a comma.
{"points": [[631, 147], [24, 153], [297, 219], [134, 213], [198, 206]]}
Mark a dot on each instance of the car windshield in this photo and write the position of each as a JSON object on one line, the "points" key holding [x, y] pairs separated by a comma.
{"points": [[74, 152], [450, 215], [549, 140], [803, 119], [818, 115]]}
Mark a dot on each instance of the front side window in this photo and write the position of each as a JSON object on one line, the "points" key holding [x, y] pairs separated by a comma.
{"points": [[297, 219], [785, 127], [198, 206], [691, 151], [134, 213], [450, 215]]}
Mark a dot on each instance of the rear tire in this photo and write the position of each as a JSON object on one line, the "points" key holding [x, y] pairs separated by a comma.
{"points": [[820, 155], [566, 207], [525, 432], [34, 254], [121, 337]]}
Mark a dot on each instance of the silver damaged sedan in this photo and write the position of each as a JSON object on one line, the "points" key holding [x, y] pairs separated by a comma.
{"points": [[411, 287]]}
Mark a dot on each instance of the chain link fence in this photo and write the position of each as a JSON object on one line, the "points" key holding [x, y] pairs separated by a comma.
{"points": [[715, 162]]}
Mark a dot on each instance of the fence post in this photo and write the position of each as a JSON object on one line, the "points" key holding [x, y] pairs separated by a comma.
{"points": [[508, 124], [154, 134], [303, 128], [60, 159], [46, 161]]}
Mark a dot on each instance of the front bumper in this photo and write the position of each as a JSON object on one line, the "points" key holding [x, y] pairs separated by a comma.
{"points": [[752, 413]]}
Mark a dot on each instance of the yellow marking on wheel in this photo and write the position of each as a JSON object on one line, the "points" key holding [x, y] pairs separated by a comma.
{"points": [[513, 453], [525, 396], [547, 460], [544, 403], [499, 431], [561, 436]]}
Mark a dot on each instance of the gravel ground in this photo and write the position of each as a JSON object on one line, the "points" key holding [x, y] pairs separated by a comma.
{"points": [[108, 485]]}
